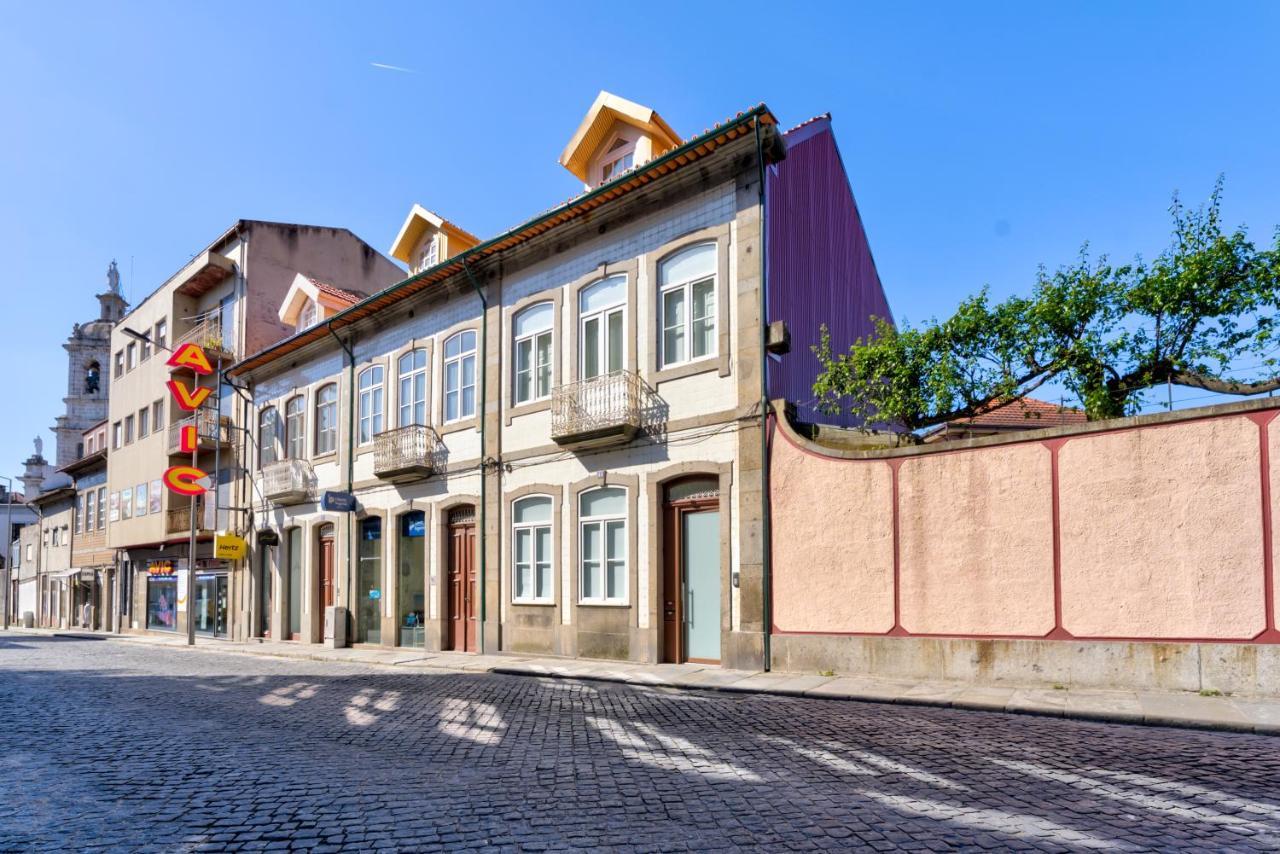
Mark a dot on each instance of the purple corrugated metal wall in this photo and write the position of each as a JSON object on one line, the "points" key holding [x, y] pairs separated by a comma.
{"points": [[820, 265]]}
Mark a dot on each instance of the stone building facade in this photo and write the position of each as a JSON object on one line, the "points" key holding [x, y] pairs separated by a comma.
{"points": [[551, 441]]}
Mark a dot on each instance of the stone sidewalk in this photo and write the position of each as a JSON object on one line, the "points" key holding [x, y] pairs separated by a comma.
{"points": [[1155, 708]]}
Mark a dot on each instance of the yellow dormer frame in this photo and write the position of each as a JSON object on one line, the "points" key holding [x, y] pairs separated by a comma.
{"points": [[597, 130], [415, 227]]}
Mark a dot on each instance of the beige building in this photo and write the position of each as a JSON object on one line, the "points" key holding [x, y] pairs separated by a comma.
{"points": [[549, 441], [226, 299], [95, 581]]}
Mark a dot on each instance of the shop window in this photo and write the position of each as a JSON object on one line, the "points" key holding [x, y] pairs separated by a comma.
{"points": [[369, 582], [162, 602], [411, 578]]}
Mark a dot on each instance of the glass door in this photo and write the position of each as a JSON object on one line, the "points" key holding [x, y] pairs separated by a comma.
{"points": [[701, 559]]}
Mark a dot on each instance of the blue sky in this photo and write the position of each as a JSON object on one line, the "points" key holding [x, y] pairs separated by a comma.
{"points": [[982, 139]]}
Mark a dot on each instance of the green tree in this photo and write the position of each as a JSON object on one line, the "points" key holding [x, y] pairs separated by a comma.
{"points": [[1107, 333]]}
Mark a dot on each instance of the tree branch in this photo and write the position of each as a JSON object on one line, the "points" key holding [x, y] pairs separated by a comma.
{"points": [[1221, 386]]}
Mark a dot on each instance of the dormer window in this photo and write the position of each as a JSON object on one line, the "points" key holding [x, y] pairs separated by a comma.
{"points": [[307, 316], [618, 159], [429, 253]]}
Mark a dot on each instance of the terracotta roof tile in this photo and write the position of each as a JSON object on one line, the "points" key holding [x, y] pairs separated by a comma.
{"points": [[1027, 412], [351, 297]]}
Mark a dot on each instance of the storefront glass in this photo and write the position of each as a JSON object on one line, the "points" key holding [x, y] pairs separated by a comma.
{"points": [[211, 605], [162, 602], [410, 589], [264, 588], [295, 582], [369, 583]]}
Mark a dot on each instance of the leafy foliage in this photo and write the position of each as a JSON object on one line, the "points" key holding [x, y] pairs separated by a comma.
{"points": [[1105, 332]]}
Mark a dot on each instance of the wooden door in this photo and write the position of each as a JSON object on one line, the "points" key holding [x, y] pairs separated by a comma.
{"points": [[326, 570], [462, 582]]}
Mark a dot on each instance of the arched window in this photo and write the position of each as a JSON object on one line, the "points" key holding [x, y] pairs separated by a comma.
{"points": [[687, 297], [602, 546], [268, 436], [460, 376], [327, 419], [413, 388], [602, 318], [92, 377], [370, 403], [295, 420], [307, 315], [531, 549], [532, 347]]}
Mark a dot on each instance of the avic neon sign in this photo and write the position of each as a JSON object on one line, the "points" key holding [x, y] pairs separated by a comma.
{"points": [[185, 479]]}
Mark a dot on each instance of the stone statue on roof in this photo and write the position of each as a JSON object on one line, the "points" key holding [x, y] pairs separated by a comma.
{"points": [[39, 447], [113, 278]]}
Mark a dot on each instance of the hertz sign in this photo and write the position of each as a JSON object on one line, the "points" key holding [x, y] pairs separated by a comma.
{"points": [[184, 480]]}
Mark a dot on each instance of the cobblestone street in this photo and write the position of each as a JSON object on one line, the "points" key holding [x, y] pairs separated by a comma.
{"points": [[113, 745]]}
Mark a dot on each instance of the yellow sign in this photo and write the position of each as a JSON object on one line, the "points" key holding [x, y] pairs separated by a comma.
{"points": [[228, 546]]}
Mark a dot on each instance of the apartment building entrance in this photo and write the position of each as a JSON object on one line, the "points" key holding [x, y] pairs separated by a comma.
{"points": [[691, 572], [325, 593], [460, 594]]}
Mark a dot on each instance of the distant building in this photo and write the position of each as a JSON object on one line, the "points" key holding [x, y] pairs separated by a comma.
{"points": [[1027, 413], [94, 581]]}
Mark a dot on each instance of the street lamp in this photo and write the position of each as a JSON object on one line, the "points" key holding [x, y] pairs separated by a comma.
{"points": [[191, 516]]}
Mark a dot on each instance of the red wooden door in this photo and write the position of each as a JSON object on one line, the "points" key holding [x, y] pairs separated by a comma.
{"points": [[462, 585], [326, 571]]}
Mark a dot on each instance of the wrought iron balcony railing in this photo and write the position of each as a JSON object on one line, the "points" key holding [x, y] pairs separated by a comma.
{"points": [[206, 330], [213, 429], [603, 410], [406, 452], [287, 481]]}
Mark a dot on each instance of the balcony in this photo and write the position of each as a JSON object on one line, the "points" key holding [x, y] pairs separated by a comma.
{"points": [[406, 453], [206, 331], [177, 520], [214, 431], [287, 481], [600, 411]]}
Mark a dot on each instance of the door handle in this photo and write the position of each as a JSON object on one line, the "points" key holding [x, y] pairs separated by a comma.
{"points": [[689, 608]]}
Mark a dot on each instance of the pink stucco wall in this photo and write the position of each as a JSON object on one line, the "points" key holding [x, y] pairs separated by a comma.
{"points": [[1151, 529]]}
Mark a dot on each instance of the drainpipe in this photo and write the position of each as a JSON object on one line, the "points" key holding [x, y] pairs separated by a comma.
{"points": [[766, 563], [351, 443], [484, 392]]}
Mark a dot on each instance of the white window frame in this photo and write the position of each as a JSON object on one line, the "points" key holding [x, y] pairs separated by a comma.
{"points": [[268, 444], [319, 431], [602, 315], [687, 319], [308, 315], [414, 401], [603, 524], [531, 530], [534, 368], [615, 156], [429, 254], [369, 422], [295, 428], [460, 361]]}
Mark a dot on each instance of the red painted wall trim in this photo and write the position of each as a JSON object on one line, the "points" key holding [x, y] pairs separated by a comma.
{"points": [[1270, 634], [1059, 631], [897, 630]]}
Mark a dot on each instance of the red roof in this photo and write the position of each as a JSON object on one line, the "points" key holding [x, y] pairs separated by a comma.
{"points": [[1027, 413], [351, 297]]}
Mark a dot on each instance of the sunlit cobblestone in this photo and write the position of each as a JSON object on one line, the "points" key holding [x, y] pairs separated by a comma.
{"points": [[109, 745]]}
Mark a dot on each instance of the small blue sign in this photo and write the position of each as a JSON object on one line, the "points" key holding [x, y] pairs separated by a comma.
{"points": [[375, 594], [338, 502]]}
